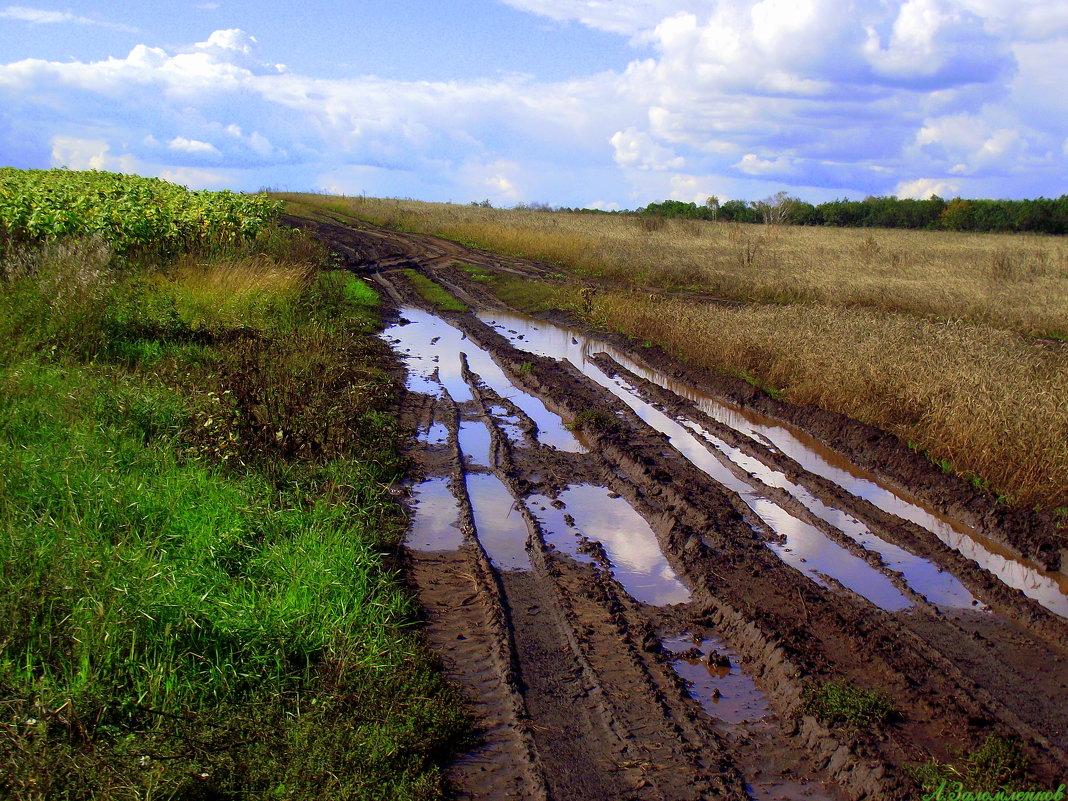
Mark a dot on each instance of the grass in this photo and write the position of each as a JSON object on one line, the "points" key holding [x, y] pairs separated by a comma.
{"points": [[433, 292], [848, 705], [947, 340], [195, 522], [996, 764]]}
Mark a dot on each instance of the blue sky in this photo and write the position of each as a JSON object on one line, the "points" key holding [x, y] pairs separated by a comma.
{"points": [[609, 103]]}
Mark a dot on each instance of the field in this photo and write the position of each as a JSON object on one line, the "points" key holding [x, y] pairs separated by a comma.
{"points": [[676, 582], [198, 538], [950, 341]]}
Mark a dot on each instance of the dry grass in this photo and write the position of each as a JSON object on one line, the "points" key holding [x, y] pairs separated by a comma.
{"points": [[990, 402], [1012, 281], [926, 335]]}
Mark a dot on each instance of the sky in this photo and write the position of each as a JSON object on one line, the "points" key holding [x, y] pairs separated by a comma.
{"points": [[598, 103]]}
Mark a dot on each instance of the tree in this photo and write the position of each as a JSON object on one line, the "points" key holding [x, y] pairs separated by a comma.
{"points": [[712, 204], [775, 210]]}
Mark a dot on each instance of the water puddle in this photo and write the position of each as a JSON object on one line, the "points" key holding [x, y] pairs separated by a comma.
{"points": [[435, 520], [500, 527], [1048, 589], [806, 548], [722, 689], [436, 434], [631, 546], [922, 575], [428, 343], [475, 443]]}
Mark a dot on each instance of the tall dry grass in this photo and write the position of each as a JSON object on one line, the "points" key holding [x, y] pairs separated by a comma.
{"points": [[990, 402], [1012, 281]]}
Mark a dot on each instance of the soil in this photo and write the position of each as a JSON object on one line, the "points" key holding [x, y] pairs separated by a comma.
{"points": [[611, 533]]}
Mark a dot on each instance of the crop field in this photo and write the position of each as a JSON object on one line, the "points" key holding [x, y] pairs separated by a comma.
{"points": [[126, 212]]}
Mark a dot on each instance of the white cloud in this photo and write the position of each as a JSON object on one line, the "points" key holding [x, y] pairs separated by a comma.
{"points": [[634, 148], [40, 16], [184, 145], [751, 164], [738, 98], [627, 17], [923, 188], [88, 154]]}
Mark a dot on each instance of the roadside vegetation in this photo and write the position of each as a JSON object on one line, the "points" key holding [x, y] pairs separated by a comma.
{"points": [[954, 342], [196, 451]]}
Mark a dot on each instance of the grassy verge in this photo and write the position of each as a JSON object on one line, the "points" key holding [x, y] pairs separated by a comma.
{"points": [[927, 335], [195, 463]]}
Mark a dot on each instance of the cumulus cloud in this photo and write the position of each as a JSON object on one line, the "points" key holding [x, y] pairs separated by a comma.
{"points": [[738, 98], [923, 188]]}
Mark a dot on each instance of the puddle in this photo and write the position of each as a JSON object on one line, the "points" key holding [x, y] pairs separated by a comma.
{"points": [[500, 527], [437, 434], [428, 343], [632, 548], [806, 548], [724, 692], [1048, 589], [922, 575], [475, 443], [435, 519]]}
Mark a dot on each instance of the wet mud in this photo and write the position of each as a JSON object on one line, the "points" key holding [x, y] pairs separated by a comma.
{"points": [[590, 524]]}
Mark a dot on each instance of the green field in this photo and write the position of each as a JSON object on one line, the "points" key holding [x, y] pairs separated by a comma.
{"points": [[199, 594]]}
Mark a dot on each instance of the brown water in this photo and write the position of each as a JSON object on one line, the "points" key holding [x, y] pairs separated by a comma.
{"points": [[1049, 589], [630, 544], [726, 693], [435, 519]]}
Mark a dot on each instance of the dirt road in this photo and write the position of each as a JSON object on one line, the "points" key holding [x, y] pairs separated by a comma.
{"points": [[593, 523]]}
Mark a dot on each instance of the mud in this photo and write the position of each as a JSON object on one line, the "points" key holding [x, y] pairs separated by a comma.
{"points": [[608, 512]]}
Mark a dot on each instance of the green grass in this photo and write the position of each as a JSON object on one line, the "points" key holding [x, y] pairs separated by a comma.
{"points": [[433, 293], [840, 702], [476, 273], [996, 764], [195, 528]]}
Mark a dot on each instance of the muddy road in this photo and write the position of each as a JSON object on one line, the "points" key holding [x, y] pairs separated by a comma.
{"points": [[639, 574]]}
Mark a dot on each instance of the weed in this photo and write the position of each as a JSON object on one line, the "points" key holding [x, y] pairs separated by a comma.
{"points": [[595, 420], [846, 704], [524, 368]]}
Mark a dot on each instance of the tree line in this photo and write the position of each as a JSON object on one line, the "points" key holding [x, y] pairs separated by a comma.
{"points": [[1041, 215]]}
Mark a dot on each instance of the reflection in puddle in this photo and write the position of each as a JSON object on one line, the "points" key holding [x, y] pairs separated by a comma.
{"points": [[1048, 589], [922, 575], [806, 547], [500, 528], [724, 692], [475, 443], [631, 546], [435, 525], [427, 343], [437, 434]]}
